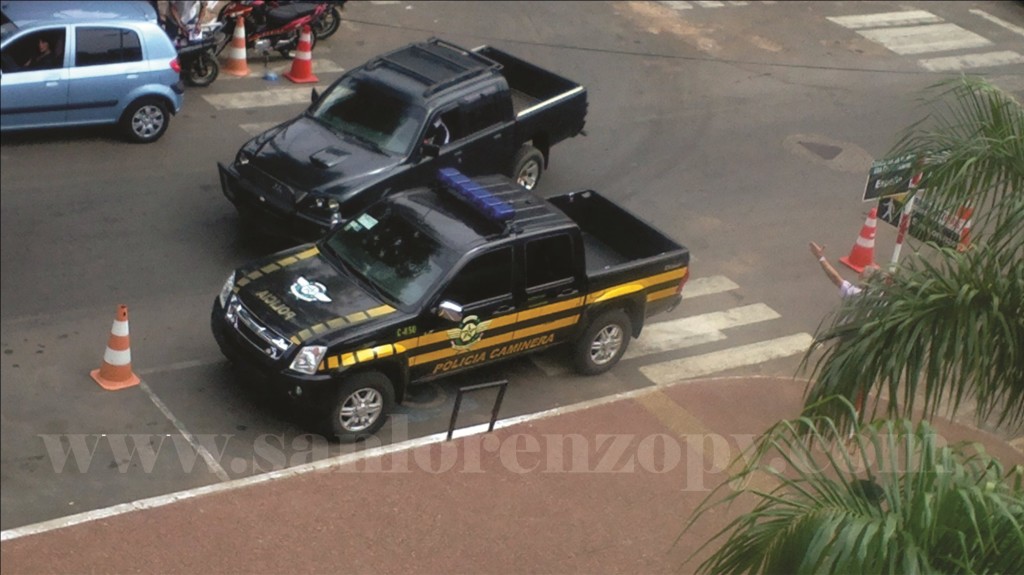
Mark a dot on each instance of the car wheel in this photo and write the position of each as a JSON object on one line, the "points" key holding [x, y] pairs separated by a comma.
{"points": [[361, 406], [527, 167], [145, 120], [603, 342]]}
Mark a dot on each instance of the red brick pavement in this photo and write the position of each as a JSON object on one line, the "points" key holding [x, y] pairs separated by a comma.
{"points": [[520, 500]]}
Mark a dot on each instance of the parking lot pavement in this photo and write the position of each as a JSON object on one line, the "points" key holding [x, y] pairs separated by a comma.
{"points": [[600, 487]]}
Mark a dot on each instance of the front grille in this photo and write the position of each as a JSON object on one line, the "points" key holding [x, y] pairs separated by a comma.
{"points": [[272, 344], [271, 191]]}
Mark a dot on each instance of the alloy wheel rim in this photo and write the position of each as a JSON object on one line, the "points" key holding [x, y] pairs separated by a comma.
{"points": [[528, 176], [361, 409], [606, 344], [147, 121]]}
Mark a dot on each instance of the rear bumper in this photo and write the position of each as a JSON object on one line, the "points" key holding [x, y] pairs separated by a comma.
{"points": [[265, 210]]}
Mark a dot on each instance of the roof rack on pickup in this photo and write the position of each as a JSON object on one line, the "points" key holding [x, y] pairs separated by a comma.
{"points": [[435, 63]]}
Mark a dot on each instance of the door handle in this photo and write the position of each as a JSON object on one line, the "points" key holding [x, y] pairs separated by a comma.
{"points": [[132, 76], [504, 309], [497, 136], [52, 83], [568, 292]]}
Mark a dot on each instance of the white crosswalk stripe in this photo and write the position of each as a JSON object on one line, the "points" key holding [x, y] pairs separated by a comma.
{"points": [[668, 372], [914, 32], [679, 5], [259, 99], [687, 332]]}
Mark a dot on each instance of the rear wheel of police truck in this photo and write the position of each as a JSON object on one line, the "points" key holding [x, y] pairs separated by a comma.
{"points": [[527, 167], [361, 406], [603, 342]]}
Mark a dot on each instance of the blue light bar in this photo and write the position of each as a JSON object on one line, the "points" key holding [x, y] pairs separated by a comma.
{"points": [[473, 193]]}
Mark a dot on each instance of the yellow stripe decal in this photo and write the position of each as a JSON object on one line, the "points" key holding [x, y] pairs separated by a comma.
{"points": [[661, 294], [319, 328], [255, 275], [241, 283], [378, 311], [295, 339], [288, 261], [550, 326], [357, 317], [552, 308], [304, 335], [308, 253], [448, 352], [336, 322], [611, 293], [348, 359], [364, 355], [269, 268], [332, 362]]}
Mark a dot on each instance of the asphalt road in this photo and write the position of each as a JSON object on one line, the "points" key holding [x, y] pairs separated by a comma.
{"points": [[744, 130]]}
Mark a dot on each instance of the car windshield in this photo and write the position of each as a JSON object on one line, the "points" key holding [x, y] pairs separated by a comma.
{"points": [[389, 247], [371, 115]]}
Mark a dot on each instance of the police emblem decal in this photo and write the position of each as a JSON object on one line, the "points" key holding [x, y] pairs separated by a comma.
{"points": [[306, 290], [470, 332]]}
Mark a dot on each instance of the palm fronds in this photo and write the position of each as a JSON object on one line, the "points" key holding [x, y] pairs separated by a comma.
{"points": [[906, 503]]}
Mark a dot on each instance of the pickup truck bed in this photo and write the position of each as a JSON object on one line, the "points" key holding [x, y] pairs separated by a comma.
{"points": [[612, 236], [530, 85]]}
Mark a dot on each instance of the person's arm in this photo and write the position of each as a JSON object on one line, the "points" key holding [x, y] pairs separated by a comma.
{"points": [[833, 275]]}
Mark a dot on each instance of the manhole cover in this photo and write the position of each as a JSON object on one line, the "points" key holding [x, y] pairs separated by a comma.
{"points": [[824, 151]]}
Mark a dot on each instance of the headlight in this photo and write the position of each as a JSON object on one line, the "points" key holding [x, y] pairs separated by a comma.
{"points": [[308, 358], [243, 157], [225, 292]]}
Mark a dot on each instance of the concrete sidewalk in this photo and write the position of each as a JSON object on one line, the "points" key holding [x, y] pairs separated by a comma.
{"points": [[603, 487]]}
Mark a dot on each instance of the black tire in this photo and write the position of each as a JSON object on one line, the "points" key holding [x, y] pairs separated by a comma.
{"points": [[603, 342], [361, 406], [202, 71], [328, 23], [527, 167], [145, 120]]}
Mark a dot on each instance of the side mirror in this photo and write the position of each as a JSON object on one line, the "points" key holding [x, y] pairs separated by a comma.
{"points": [[314, 96], [431, 150], [450, 311]]}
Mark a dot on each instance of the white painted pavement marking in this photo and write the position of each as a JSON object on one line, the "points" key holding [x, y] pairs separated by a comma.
{"points": [[257, 129], [707, 286], [676, 5], [999, 21], [668, 372], [985, 60], [710, 4], [885, 19], [257, 68], [259, 99], [695, 330], [922, 39], [202, 451]]}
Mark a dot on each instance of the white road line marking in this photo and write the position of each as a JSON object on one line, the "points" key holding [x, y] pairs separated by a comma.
{"points": [[312, 467], [695, 330], [202, 451], [885, 19], [921, 39], [999, 21], [707, 286], [259, 99], [709, 4], [738, 3], [257, 68], [988, 59], [257, 129], [669, 372], [676, 5]]}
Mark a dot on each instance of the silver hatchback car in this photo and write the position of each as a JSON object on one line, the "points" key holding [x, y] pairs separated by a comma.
{"points": [[81, 63]]}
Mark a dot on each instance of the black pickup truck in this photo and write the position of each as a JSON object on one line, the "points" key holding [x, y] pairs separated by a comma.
{"points": [[434, 280], [392, 123]]}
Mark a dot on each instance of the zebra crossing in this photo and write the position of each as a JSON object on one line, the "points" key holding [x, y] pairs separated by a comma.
{"points": [[678, 335], [917, 32]]}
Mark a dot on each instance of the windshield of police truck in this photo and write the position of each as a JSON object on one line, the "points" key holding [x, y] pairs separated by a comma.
{"points": [[365, 112], [389, 248]]}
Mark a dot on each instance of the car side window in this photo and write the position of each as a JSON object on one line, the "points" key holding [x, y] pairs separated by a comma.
{"points": [[548, 261], [42, 50], [482, 113], [486, 278], [96, 46]]}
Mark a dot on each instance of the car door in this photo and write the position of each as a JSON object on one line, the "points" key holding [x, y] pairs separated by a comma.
{"points": [[481, 139], [107, 66], [483, 288], [29, 96], [552, 281]]}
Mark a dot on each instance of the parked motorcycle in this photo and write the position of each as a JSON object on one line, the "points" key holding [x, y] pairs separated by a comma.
{"points": [[324, 25], [197, 55], [273, 28]]}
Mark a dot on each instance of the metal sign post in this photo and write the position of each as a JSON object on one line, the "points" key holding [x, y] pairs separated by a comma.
{"points": [[908, 208]]}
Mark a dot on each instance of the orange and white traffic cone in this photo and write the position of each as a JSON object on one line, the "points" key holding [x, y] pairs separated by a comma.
{"points": [[964, 226], [116, 370], [863, 253], [236, 64], [302, 64]]}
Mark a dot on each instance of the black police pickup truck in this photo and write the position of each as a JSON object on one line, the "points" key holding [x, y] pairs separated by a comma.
{"points": [[434, 280], [392, 123]]}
